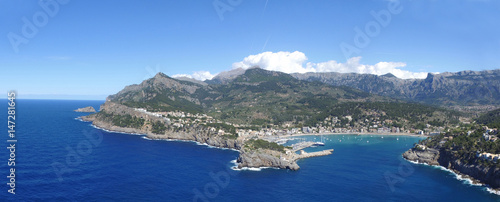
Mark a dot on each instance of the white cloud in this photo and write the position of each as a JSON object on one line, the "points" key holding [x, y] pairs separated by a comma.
{"points": [[281, 61], [294, 63], [200, 75]]}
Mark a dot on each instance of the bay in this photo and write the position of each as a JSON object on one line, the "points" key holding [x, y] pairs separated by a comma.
{"points": [[58, 158]]}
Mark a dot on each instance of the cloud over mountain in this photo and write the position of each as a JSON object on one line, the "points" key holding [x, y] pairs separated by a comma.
{"points": [[296, 62], [199, 75]]}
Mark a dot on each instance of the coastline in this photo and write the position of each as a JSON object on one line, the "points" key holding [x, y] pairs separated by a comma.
{"points": [[378, 134], [461, 177], [151, 137], [253, 161]]}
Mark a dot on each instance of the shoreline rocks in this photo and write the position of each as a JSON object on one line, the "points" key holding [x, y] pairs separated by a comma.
{"points": [[191, 135], [428, 156], [250, 159], [477, 173], [198, 133], [264, 158]]}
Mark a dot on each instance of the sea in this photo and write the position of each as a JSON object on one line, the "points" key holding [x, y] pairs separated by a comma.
{"points": [[60, 158]]}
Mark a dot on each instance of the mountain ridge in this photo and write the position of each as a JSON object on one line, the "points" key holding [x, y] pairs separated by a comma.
{"points": [[447, 89], [255, 104]]}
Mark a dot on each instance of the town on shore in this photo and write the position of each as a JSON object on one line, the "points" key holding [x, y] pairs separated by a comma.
{"points": [[329, 126]]}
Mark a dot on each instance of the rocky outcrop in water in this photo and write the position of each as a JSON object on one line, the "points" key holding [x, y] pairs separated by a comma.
{"points": [[264, 158], [428, 156], [86, 109]]}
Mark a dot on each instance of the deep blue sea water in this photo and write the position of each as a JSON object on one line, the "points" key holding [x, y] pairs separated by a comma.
{"points": [[124, 167]]}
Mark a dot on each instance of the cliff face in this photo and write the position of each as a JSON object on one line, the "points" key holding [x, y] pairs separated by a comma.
{"points": [[487, 175], [198, 134], [428, 156], [264, 158], [247, 158]]}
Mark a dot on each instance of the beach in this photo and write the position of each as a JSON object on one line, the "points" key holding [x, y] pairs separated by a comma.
{"points": [[354, 133]]}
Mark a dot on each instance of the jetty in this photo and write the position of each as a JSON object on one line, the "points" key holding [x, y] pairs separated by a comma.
{"points": [[304, 154], [301, 145]]}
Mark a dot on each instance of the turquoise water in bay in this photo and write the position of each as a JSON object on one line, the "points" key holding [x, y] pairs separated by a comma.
{"points": [[59, 158]]}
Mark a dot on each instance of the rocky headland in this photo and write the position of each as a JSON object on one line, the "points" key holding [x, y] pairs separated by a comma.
{"points": [[195, 133], [478, 173], [264, 158], [251, 158]]}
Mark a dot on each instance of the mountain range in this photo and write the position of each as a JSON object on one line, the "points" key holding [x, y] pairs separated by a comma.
{"points": [[459, 90], [229, 110], [260, 97]]}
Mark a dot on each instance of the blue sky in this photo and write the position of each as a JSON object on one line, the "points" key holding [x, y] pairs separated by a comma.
{"points": [[90, 49]]}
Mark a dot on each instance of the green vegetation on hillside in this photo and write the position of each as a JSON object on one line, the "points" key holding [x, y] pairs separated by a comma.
{"points": [[227, 128], [466, 88], [265, 98], [263, 144], [417, 115], [491, 119], [464, 146], [158, 127], [127, 121]]}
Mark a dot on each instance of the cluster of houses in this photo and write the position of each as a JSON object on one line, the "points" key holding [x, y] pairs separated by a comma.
{"points": [[329, 125], [491, 134], [372, 125], [178, 118], [488, 156]]}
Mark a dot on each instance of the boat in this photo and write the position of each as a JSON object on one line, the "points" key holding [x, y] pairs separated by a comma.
{"points": [[319, 143]]}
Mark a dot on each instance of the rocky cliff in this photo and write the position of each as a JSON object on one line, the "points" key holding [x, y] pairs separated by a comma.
{"points": [[247, 158], [264, 158], [195, 133], [428, 156], [489, 175]]}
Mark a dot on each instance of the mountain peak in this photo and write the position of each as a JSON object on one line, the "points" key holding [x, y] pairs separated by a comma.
{"points": [[389, 75], [226, 76], [161, 75], [260, 75]]}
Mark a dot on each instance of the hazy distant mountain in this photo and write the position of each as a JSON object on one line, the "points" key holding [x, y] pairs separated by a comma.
{"points": [[184, 78], [226, 76], [446, 89]]}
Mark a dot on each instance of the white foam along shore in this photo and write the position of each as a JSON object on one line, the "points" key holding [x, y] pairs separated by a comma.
{"points": [[235, 167], [460, 177], [144, 136], [109, 131]]}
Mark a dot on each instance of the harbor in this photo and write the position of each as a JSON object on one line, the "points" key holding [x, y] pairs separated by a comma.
{"points": [[296, 151]]}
